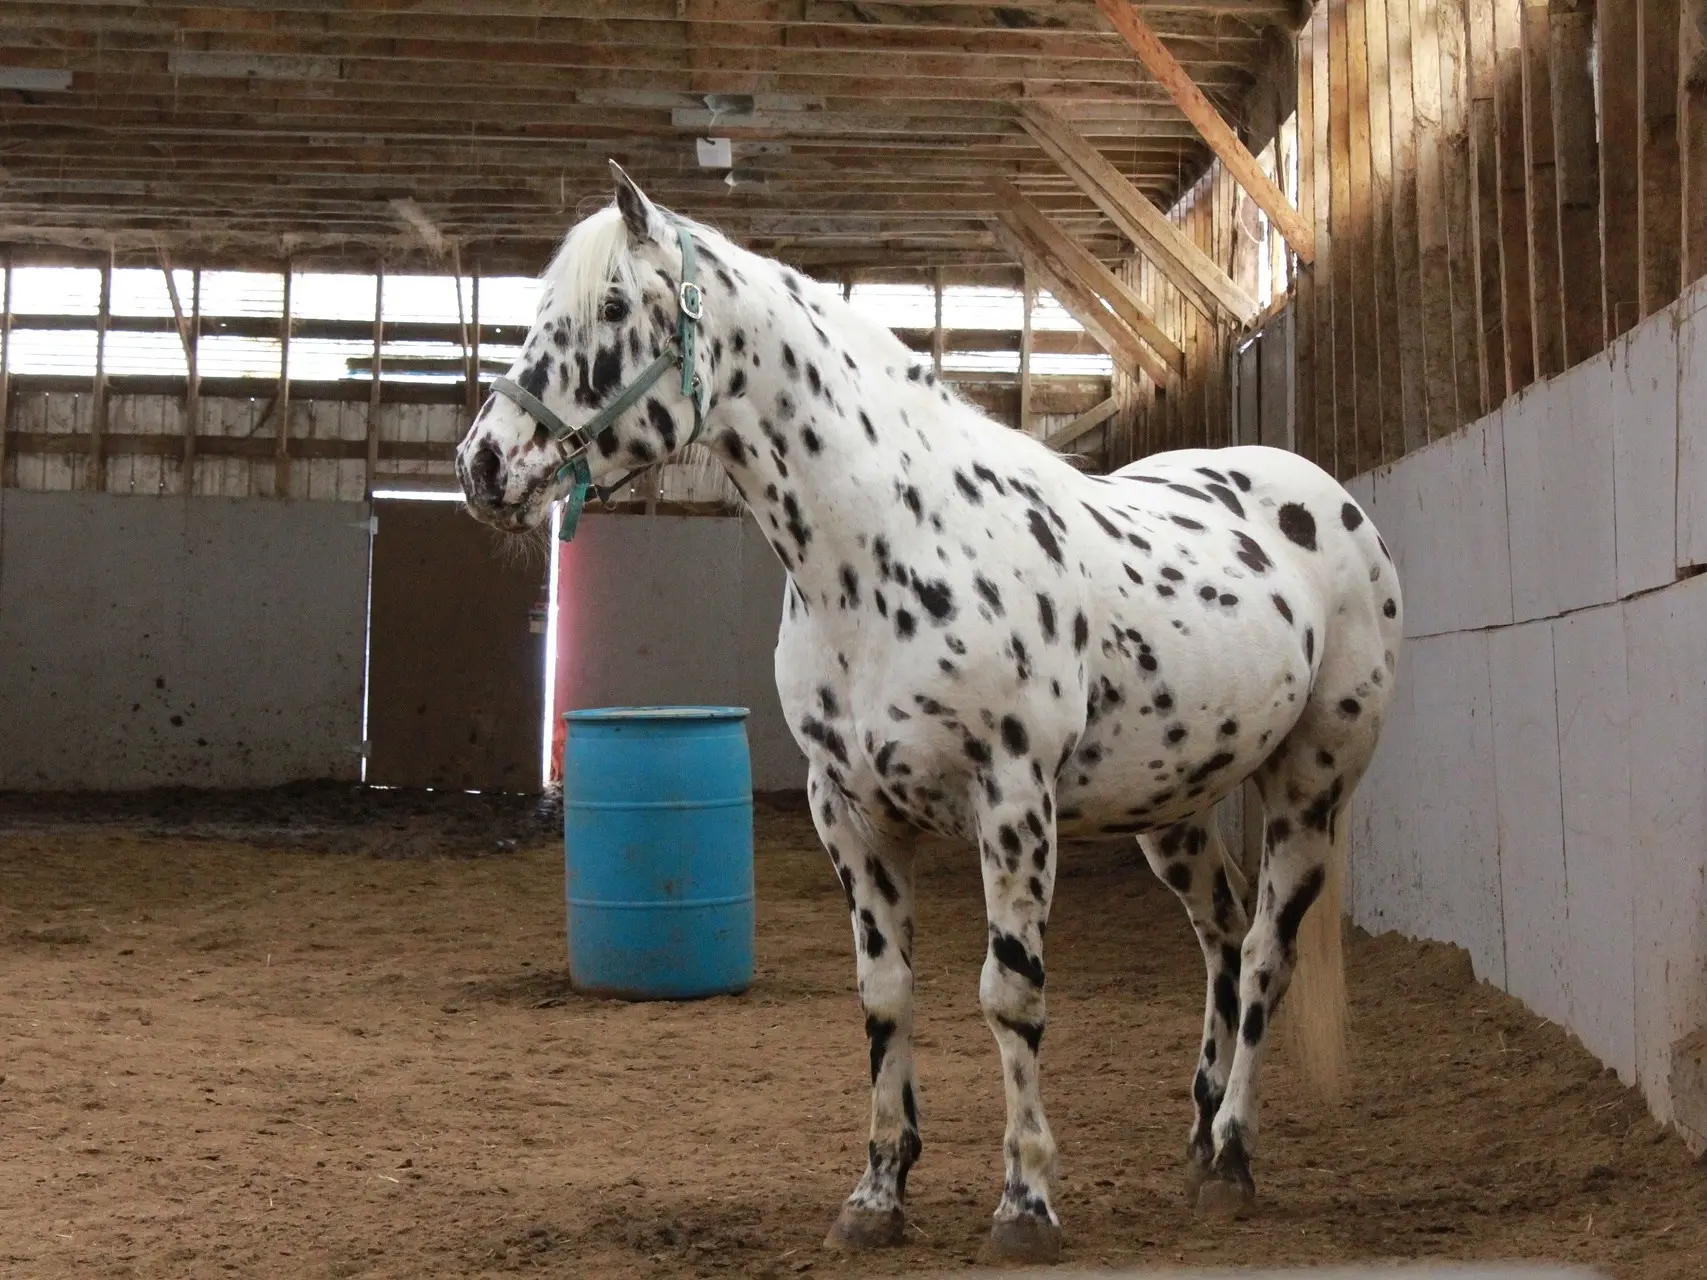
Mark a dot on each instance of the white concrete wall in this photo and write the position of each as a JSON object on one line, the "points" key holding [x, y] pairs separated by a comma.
{"points": [[149, 641], [1540, 795], [676, 610]]}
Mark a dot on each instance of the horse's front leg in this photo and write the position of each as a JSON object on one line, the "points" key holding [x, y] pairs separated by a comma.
{"points": [[1016, 829], [877, 875]]}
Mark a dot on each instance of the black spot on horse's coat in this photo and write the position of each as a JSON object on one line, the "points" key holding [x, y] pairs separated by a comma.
{"points": [[809, 438], [1298, 525], [1350, 516], [607, 372], [937, 599], [878, 1031], [1291, 915], [968, 489], [988, 593], [1228, 499], [1240, 479], [870, 431], [1187, 523], [1390, 609], [1081, 631], [1045, 536], [905, 624], [1310, 645], [1172, 574], [1030, 1032], [1226, 997], [1046, 617], [1251, 1033], [1190, 492], [1012, 955], [1280, 604], [663, 423], [790, 361], [989, 477], [1102, 520], [910, 498], [977, 750], [1211, 474], [1350, 708], [1014, 736], [817, 731], [1133, 574], [1207, 592], [1251, 553], [1178, 876]]}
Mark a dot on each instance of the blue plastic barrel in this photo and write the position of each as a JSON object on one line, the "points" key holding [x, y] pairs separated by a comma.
{"points": [[658, 851]]}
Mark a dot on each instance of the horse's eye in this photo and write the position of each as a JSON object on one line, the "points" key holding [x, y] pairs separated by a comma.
{"points": [[616, 311]]}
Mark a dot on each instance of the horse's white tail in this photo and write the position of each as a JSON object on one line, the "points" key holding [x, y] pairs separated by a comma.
{"points": [[1315, 1016]]}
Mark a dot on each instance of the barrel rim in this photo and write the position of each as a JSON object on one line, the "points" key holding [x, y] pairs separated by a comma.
{"points": [[647, 714]]}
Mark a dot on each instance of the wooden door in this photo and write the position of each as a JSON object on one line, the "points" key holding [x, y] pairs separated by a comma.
{"points": [[455, 675]]}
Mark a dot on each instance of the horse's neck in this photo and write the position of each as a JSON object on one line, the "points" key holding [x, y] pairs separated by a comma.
{"points": [[821, 427]]}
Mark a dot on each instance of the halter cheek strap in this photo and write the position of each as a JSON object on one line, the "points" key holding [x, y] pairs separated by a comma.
{"points": [[576, 442]]}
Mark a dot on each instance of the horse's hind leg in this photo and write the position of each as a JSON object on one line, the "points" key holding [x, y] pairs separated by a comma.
{"points": [[1306, 786], [877, 875], [1190, 859]]}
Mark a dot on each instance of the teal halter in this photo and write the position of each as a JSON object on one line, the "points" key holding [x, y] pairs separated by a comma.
{"points": [[576, 441]]}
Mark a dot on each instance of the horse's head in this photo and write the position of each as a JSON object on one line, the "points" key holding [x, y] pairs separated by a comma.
{"points": [[595, 393]]}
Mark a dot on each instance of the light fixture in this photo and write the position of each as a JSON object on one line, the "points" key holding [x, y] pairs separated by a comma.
{"points": [[714, 153], [35, 79]]}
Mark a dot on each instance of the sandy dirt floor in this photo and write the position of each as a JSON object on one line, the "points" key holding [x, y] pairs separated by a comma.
{"points": [[333, 1037]]}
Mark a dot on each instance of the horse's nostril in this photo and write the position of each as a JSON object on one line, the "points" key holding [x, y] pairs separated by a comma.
{"points": [[483, 471]]}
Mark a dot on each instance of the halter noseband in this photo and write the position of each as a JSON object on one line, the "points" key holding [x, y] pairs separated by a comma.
{"points": [[574, 442]]}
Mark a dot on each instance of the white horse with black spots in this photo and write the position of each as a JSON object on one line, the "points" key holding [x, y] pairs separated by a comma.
{"points": [[981, 642]]}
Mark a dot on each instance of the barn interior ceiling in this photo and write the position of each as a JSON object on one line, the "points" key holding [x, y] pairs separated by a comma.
{"points": [[835, 134]]}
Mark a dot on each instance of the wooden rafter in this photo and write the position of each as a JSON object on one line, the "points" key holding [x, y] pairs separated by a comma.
{"points": [[1175, 254], [1294, 226], [1123, 346], [1120, 297]]}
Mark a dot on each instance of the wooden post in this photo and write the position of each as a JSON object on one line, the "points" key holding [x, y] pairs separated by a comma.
{"points": [[5, 365], [936, 333], [1620, 164], [1304, 305], [1692, 136], [1028, 300], [1545, 266], [1659, 229], [374, 382], [1485, 197], [473, 343], [189, 334], [1467, 353], [1513, 180], [1577, 169], [98, 419], [281, 455]]}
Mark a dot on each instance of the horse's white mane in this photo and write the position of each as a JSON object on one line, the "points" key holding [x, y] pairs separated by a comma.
{"points": [[594, 254]]}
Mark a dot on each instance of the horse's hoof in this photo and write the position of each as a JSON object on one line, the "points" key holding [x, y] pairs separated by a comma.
{"points": [[857, 1229], [1196, 1174], [1224, 1198], [1027, 1241]]}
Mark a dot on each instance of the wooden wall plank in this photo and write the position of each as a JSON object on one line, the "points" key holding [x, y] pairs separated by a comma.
{"points": [[1660, 200], [1382, 259], [1304, 288], [1327, 357], [1578, 172], [1460, 226], [1366, 442], [1512, 164], [1545, 307], [1435, 296], [1692, 137], [1620, 111], [1484, 197], [1344, 235], [1406, 247]]}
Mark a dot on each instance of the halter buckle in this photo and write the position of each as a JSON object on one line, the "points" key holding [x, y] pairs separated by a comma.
{"points": [[691, 298]]}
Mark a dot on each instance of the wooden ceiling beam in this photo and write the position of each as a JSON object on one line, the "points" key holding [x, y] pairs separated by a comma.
{"points": [[1192, 271], [1124, 346], [1058, 243], [1298, 231]]}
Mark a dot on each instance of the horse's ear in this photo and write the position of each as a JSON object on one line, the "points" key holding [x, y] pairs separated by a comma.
{"points": [[638, 213]]}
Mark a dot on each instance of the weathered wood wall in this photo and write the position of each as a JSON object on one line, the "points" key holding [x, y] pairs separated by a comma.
{"points": [[1501, 188]]}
